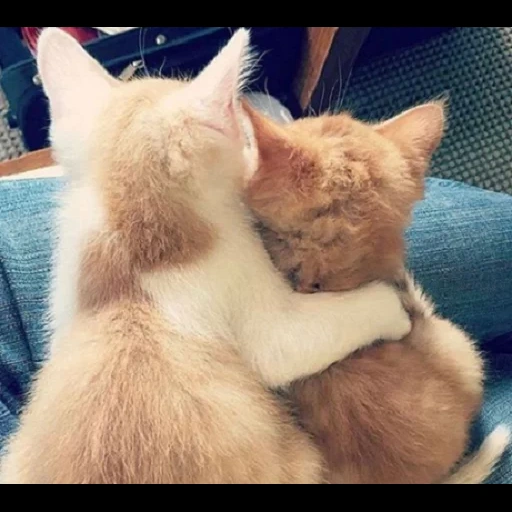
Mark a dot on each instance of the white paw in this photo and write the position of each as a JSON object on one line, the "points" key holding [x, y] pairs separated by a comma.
{"points": [[392, 322]]}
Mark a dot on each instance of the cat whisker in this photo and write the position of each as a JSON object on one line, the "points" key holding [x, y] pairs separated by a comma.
{"points": [[342, 99], [141, 50], [162, 67]]}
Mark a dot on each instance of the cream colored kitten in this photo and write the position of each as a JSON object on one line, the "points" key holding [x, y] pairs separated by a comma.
{"points": [[170, 321]]}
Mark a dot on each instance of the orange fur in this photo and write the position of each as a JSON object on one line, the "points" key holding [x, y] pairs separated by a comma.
{"points": [[134, 181], [151, 231], [334, 184], [333, 196]]}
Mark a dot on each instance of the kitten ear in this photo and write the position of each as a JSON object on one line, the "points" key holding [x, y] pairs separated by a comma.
{"points": [[417, 131], [268, 143], [71, 78], [219, 85]]}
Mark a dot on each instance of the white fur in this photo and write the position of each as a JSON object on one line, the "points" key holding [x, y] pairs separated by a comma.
{"points": [[78, 88], [226, 74], [237, 294], [479, 466], [80, 214], [234, 293]]}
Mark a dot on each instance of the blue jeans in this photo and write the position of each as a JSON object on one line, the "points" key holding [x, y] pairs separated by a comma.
{"points": [[460, 249]]}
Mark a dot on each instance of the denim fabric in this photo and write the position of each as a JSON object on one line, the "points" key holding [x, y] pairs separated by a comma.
{"points": [[460, 249], [497, 409], [25, 249]]}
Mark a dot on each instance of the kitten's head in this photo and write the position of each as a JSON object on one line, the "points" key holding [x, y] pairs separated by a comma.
{"points": [[179, 134], [334, 194]]}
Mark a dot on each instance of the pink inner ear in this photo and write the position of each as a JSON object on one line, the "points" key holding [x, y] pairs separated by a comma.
{"points": [[71, 78], [217, 87], [224, 119], [419, 129]]}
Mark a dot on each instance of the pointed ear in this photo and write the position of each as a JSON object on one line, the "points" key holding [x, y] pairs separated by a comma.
{"points": [[417, 131], [219, 85], [71, 78], [268, 142], [267, 134]]}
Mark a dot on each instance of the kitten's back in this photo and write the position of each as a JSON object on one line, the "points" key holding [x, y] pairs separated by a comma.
{"points": [[395, 413], [131, 401]]}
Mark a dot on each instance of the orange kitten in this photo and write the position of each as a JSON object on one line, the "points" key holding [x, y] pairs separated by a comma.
{"points": [[170, 322], [334, 196]]}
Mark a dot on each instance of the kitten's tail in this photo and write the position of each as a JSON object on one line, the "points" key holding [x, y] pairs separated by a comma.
{"points": [[479, 466]]}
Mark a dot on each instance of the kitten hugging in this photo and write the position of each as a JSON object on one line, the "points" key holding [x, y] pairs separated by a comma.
{"points": [[171, 327], [170, 324]]}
